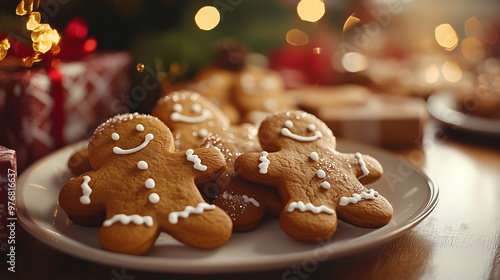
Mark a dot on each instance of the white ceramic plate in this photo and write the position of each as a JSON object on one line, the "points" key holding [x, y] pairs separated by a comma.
{"points": [[412, 194], [443, 107]]}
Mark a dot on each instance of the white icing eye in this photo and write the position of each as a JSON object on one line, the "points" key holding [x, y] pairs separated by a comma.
{"points": [[178, 108], [115, 136], [289, 124], [139, 127], [196, 108], [311, 127]]}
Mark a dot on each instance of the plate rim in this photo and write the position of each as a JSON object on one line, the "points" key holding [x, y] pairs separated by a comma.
{"points": [[442, 108], [153, 264]]}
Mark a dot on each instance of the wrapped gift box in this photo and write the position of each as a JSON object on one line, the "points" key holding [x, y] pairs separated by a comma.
{"points": [[42, 110], [355, 112], [8, 176]]}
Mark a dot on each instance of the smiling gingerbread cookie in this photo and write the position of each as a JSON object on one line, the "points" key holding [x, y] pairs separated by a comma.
{"points": [[192, 118], [316, 183], [141, 187], [258, 92]]}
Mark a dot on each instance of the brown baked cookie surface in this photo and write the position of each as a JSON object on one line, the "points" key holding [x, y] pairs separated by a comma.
{"points": [[245, 202], [79, 162], [141, 187], [317, 184]]}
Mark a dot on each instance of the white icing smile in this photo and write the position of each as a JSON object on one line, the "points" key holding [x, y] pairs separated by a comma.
{"points": [[289, 124], [196, 108], [120, 151]]}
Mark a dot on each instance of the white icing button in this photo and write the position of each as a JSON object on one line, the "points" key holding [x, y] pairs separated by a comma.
{"points": [[115, 136], [314, 156], [203, 132], [142, 165], [154, 198], [139, 127], [321, 174], [150, 183], [325, 185]]}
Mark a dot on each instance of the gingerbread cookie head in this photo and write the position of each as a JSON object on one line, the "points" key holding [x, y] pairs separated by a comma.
{"points": [[259, 92], [316, 183], [128, 134], [291, 128], [216, 85], [141, 187], [190, 116]]}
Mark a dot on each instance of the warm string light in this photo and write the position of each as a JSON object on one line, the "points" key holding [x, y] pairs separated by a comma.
{"points": [[207, 18], [44, 38], [446, 36], [311, 10], [4, 47]]}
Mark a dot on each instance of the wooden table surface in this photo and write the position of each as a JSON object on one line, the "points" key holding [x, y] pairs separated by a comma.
{"points": [[460, 239]]}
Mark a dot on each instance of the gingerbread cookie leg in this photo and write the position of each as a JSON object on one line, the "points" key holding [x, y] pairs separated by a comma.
{"points": [[308, 223], [204, 226], [366, 208], [128, 233]]}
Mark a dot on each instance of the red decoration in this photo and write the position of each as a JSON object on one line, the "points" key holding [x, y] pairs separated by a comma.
{"points": [[63, 97], [307, 64]]}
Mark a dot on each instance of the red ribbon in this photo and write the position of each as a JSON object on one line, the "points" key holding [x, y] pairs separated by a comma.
{"points": [[56, 78]]}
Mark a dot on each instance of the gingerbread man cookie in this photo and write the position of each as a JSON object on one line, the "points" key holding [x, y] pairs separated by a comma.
{"points": [[316, 183], [245, 202], [192, 117], [216, 85], [259, 92], [141, 187]]}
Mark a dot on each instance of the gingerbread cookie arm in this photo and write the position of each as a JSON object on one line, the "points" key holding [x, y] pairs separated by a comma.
{"points": [[259, 168], [368, 169], [79, 162], [76, 199], [207, 164]]}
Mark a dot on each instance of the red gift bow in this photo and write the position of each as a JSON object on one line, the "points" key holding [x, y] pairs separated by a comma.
{"points": [[74, 45]]}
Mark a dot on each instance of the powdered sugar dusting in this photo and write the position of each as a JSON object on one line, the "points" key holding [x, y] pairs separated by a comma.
{"points": [[121, 118]]}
